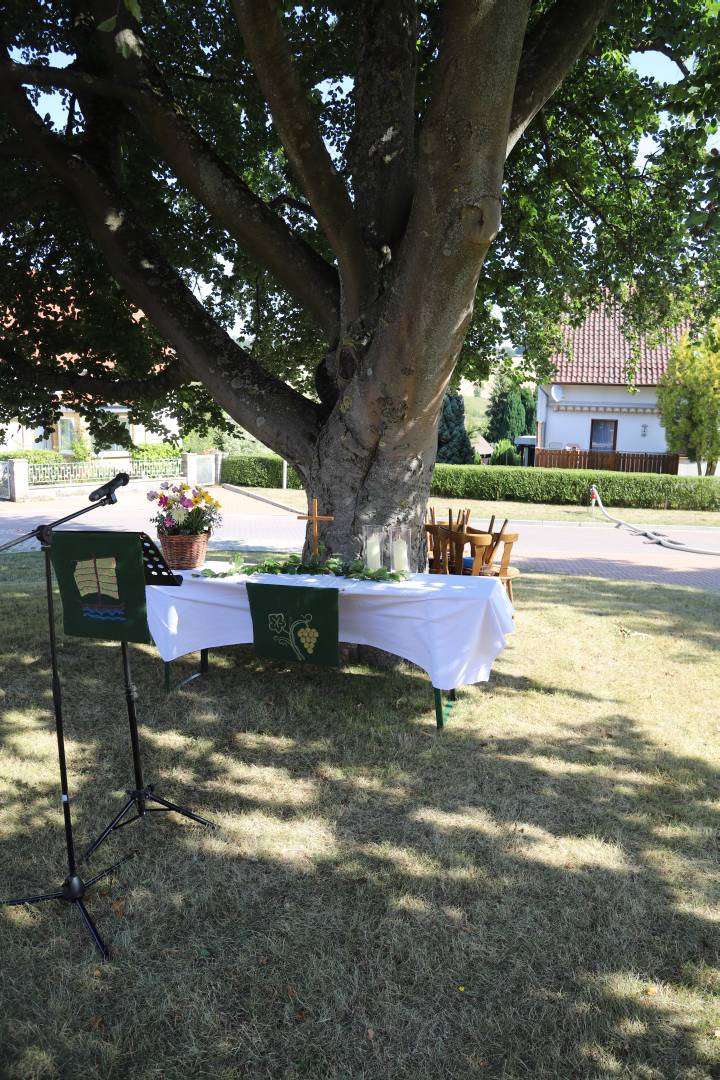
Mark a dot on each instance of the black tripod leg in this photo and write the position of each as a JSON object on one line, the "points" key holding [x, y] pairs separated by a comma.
{"points": [[108, 870], [152, 797], [92, 928], [109, 828], [32, 899]]}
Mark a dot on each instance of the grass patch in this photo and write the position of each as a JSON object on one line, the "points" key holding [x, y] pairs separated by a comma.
{"points": [[523, 511], [533, 893]]}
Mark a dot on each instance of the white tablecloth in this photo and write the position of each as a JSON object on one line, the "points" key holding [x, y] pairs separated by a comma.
{"points": [[453, 627]]}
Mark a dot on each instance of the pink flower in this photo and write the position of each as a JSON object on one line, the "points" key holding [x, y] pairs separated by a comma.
{"points": [[163, 501], [187, 503], [168, 523]]}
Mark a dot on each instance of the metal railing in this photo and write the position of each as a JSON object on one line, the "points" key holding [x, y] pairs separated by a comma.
{"points": [[44, 474]]}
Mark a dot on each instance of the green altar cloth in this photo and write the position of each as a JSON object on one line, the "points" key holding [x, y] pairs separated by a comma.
{"points": [[295, 622]]}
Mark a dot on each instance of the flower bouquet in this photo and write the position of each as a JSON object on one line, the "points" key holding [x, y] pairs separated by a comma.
{"points": [[186, 516]]}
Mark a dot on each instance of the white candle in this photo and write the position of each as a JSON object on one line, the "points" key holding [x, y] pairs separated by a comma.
{"points": [[400, 555], [373, 560]]}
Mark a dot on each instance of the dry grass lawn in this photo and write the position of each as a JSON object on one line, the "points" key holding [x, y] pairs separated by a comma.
{"points": [[532, 893]]}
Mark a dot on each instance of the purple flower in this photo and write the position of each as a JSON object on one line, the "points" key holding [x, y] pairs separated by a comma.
{"points": [[152, 496], [168, 523], [165, 485], [187, 503]]}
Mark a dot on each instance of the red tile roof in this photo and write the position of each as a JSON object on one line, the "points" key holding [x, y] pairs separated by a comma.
{"points": [[598, 352]]}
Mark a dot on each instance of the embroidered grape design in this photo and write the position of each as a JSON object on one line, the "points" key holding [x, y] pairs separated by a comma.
{"points": [[308, 636]]}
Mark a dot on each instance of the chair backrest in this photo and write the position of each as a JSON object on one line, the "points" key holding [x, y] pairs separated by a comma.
{"points": [[508, 539], [457, 541], [438, 541]]}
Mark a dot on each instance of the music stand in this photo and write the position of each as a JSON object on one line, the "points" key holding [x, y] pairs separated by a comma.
{"points": [[102, 578], [73, 888]]}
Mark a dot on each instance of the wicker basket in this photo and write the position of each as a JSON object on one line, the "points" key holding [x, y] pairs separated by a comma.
{"points": [[185, 552]]}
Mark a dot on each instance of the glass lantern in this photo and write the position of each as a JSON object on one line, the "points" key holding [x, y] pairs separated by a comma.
{"points": [[374, 547], [401, 541]]}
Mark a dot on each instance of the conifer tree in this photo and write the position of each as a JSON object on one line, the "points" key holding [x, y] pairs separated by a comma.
{"points": [[453, 442]]}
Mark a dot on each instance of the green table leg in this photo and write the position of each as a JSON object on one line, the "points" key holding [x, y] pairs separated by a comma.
{"points": [[443, 711], [202, 670], [439, 718]]}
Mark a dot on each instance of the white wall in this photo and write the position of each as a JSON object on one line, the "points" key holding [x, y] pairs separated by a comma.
{"points": [[604, 403]]}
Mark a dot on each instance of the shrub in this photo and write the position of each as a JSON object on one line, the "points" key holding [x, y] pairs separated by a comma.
{"points": [[32, 455], [517, 483], [81, 446], [257, 470], [153, 451], [505, 454], [572, 486]]}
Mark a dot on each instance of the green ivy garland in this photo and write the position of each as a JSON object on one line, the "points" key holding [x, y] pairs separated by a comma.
{"points": [[315, 565]]}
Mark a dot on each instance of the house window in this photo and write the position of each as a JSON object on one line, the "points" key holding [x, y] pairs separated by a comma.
{"points": [[41, 441], [603, 434], [66, 434]]}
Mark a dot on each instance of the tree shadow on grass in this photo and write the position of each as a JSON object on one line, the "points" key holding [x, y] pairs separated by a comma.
{"points": [[380, 901]]}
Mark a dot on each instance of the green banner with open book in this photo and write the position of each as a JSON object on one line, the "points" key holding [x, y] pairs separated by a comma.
{"points": [[295, 622], [102, 584]]}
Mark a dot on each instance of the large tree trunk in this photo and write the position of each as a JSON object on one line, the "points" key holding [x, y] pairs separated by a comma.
{"points": [[364, 483]]}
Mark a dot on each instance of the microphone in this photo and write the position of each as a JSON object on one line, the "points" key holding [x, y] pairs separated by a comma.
{"points": [[107, 491]]}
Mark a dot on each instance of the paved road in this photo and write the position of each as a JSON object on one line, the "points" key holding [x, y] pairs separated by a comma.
{"points": [[591, 551]]}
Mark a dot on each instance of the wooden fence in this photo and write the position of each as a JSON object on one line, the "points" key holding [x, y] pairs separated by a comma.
{"points": [[613, 460]]}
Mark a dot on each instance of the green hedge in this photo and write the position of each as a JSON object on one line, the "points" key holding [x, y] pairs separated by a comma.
{"points": [[32, 455], [257, 470], [154, 451], [558, 486], [514, 483]]}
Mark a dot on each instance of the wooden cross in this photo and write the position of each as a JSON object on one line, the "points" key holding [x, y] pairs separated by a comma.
{"points": [[315, 517]]}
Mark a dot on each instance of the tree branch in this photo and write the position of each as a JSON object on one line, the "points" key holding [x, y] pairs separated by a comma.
{"points": [[455, 213], [292, 114], [267, 407], [68, 78], [259, 231], [552, 46], [381, 150], [88, 387]]}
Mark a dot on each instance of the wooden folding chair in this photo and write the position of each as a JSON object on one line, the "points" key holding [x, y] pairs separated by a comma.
{"points": [[457, 541], [504, 570], [438, 541], [492, 548]]}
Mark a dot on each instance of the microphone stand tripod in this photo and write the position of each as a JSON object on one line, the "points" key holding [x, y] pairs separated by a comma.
{"points": [[73, 888]]}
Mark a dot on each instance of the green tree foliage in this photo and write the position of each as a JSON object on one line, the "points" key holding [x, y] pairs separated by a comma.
{"points": [[453, 441], [689, 398], [529, 402], [290, 213], [506, 415]]}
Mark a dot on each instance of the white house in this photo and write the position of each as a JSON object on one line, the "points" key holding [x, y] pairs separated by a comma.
{"points": [[590, 405], [64, 433]]}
